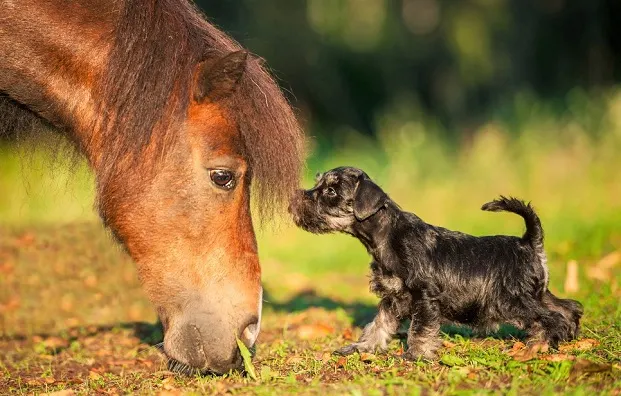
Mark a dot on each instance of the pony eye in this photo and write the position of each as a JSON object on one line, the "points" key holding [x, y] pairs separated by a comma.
{"points": [[330, 192], [222, 178]]}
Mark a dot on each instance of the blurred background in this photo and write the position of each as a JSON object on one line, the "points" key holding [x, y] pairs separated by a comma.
{"points": [[446, 104]]}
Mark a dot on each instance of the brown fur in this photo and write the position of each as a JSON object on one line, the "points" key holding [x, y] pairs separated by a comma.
{"points": [[130, 83]]}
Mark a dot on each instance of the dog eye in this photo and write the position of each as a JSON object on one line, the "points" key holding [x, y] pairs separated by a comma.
{"points": [[222, 178], [330, 192]]}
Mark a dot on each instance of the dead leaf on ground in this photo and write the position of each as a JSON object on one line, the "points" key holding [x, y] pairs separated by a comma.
{"points": [[584, 366], [367, 357], [312, 331], [348, 334], [323, 356], [25, 240], [6, 267], [516, 347], [295, 360], [571, 278], [581, 345], [175, 392], [64, 392], [55, 343], [558, 357], [448, 344], [94, 375], [341, 362], [528, 353]]}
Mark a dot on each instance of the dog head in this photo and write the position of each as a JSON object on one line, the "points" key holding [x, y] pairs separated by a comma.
{"points": [[340, 198]]}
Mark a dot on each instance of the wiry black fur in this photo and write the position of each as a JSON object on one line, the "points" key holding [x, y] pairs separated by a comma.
{"points": [[433, 275]]}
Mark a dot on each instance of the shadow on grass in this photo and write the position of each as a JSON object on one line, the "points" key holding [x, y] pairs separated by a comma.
{"points": [[362, 314], [148, 333]]}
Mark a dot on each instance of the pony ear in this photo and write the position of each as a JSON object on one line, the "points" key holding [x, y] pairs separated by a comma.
{"points": [[368, 199], [218, 79]]}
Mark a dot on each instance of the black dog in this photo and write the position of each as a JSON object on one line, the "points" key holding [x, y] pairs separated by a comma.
{"points": [[433, 275]]}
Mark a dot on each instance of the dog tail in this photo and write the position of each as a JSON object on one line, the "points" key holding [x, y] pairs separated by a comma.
{"points": [[534, 231]]}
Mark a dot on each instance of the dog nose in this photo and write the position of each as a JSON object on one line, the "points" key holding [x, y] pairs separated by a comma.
{"points": [[251, 331]]}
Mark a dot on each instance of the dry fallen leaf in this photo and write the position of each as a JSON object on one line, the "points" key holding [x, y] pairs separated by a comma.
{"points": [[341, 362], [528, 353], [558, 357], [323, 356], [348, 334], [571, 278], [94, 375], [367, 357], [295, 360], [55, 343], [579, 345], [312, 331], [583, 366], [64, 392], [516, 347], [168, 383], [25, 240], [448, 344], [175, 392]]}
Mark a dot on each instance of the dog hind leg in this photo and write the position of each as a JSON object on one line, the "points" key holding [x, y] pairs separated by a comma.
{"points": [[570, 309], [549, 327]]}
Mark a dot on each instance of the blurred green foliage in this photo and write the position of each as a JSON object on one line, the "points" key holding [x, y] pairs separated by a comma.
{"points": [[460, 61]]}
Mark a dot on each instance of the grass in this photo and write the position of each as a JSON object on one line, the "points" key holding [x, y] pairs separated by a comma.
{"points": [[73, 316]]}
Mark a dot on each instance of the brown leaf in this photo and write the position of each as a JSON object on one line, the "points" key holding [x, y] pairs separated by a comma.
{"points": [[64, 392], [348, 334], [529, 353], [580, 345], [25, 240], [295, 360], [49, 380], [323, 356], [312, 331], [55, 343], [448, 344], [341, 362], [170, 392], [516, 347], [94, 375], [168, 383], [571, 278], [584, 366], [558, 357], [7, 267], [367, 357]]}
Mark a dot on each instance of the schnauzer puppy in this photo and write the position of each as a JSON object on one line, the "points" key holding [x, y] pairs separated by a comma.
{"points": [[432, 275]]}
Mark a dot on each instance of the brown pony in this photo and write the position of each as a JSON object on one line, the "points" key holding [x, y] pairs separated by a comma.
{"points": [[177, 122]]}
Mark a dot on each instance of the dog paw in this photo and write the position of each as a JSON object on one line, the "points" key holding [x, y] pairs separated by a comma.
{"points": [[346, 350], [414, 356]]}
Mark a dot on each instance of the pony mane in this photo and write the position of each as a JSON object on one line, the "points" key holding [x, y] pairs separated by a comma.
{"points": [[145, 89]]}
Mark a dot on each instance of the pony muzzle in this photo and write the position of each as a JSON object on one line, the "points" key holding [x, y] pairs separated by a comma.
{"points": [[207, 341]]}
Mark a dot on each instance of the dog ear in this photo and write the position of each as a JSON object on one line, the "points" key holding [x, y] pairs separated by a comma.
{"points": [[368, 199]]}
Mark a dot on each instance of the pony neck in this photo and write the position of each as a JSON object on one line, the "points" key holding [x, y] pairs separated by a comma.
{"points": [[51, 61]]}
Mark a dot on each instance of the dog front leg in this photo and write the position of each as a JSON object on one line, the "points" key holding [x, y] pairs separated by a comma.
{"points": [[423, 340], [376, 334]]}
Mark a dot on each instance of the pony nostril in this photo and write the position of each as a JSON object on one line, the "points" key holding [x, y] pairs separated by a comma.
{"points": [[250, 333]]}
